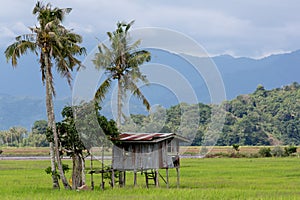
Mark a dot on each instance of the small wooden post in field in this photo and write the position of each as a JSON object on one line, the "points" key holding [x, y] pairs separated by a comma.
{"points": [[92, 178], [167, 176], [135, 178], [178, 175], [156, 178]]}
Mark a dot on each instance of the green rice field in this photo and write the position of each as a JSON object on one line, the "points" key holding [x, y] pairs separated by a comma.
{"points": [[209, 178]]}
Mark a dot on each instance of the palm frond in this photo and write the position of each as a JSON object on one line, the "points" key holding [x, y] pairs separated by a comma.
{"points": [[137, 92], [15, 50], [103, 59], [102, 90], [128, 26]]}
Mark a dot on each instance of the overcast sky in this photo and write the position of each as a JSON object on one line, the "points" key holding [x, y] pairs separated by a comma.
{"points": [[251, 28]]}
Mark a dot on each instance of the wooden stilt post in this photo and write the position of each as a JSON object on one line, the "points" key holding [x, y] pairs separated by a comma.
{"points": [[102, 168], [124, 178], [147, 181], [92, 174], [156, 178], [112, 178], [167, 176], [120, 179], [121, 174], [112, 168], [178, 175], [134, 178]]}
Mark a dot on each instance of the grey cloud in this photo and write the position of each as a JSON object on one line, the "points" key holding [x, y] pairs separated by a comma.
{"points": [[244, 28]]}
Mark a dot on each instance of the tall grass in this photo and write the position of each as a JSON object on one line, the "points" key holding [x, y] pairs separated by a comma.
{"points": [[218, 178]]}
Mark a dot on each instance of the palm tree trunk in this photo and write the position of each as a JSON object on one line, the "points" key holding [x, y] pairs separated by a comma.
{"points": [[119, 104], [77, 171], [55, 183], [118, 124], [51, 123], [83, 170]]}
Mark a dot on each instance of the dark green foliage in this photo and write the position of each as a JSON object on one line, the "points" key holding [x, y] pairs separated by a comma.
{"points": [[265, 152], [65, 167], [236, 147], [198, 138], [93, 128], [40, 126], [290, 150], [38, 135], [69, 129], [265, 117], [138, 118]]}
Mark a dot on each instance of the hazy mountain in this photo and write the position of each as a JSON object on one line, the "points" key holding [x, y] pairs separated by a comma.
{"points": [[240, 76], [24, 111]]}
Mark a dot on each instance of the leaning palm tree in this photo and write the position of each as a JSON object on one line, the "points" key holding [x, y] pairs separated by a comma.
{"points": [[54, 44], [121, 63]]}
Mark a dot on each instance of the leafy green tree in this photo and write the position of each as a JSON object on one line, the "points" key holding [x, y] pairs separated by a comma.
{"points": [[236, 147], [260, 90], [40, 127], [121, 63], [74, 143], [53, 43], [37, 137]]}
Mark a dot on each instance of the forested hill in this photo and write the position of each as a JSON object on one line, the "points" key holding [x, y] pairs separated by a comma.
{"points": [[265, 117]]}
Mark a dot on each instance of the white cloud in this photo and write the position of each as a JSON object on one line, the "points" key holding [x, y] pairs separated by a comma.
{"points": [[6, 32], [9, 32], [245, 28]]}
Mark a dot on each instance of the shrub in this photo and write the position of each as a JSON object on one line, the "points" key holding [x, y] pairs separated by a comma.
{"points": [[236, 147], [265, 152], [290, 150], [56, 173], [277, 151]]}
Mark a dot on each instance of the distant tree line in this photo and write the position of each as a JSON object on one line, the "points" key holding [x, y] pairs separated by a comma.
{"points": [[265, 117], [20, 137]]}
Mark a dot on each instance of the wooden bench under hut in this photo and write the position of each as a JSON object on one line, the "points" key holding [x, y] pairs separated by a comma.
{"points": [[146, 153]]}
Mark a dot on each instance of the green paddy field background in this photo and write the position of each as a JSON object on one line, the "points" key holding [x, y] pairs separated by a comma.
{"points": [[206, 178]]}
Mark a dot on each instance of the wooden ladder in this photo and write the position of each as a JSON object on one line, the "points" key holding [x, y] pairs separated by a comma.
{"points": [[151, 175]]}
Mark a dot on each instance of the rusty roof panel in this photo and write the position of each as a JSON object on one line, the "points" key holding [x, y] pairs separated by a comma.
{"points": [[143, 136]]}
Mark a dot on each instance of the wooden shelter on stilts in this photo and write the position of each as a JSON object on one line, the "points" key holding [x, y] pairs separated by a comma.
{"points": [[146, 153]]}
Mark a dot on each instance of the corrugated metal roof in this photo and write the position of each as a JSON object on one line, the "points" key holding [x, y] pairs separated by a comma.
{"points": [[148, 137], [143, 136]]}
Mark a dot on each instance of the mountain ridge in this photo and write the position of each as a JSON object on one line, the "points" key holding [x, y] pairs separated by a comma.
{"points": [[240, 76]]}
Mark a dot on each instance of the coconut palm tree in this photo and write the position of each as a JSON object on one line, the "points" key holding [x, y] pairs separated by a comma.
{"points": [[53, 43], [121, 63]]}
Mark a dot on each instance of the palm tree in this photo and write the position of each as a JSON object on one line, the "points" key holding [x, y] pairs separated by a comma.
{"points": [[121, 63], [53, 43]]}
